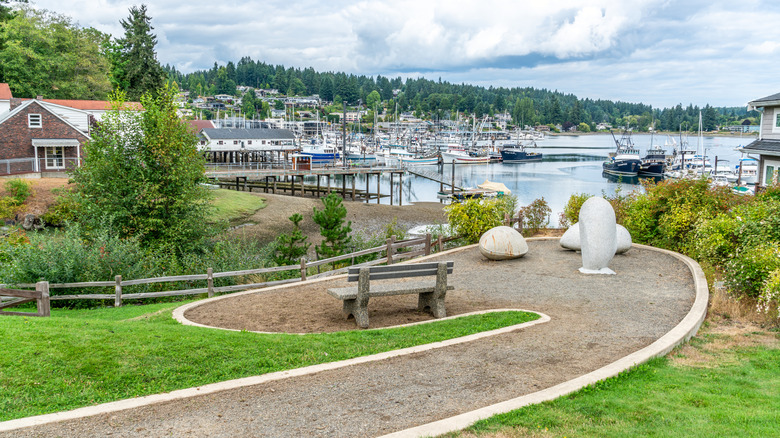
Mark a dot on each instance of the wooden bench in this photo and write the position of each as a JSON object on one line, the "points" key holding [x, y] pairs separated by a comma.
{"points": [[431, 295]]}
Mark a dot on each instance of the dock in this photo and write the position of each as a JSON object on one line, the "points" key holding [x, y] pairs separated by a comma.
{"points": [[293, 181]]}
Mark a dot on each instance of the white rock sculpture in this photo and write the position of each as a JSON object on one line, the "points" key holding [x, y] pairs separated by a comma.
{"points": [[623, 239], [598, 236], [571, 238], [501, 243]]}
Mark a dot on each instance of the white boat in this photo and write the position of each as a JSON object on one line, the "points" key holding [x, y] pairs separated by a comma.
{"points": [[462, 157], [747, 171]]}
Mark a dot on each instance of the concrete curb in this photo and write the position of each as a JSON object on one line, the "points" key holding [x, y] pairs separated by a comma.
{"points": [[686, 329], [131, 403]]}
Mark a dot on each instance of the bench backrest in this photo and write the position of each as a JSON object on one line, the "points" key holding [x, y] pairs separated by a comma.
{"points": [[399, 271]]}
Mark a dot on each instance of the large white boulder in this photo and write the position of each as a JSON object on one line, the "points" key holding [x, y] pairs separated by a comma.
{"points": [[598, 236], [571, 238], [623, 238], [501, 243]]}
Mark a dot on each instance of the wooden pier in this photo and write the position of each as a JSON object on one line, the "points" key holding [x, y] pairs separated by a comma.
{"points": [[293, 181]]}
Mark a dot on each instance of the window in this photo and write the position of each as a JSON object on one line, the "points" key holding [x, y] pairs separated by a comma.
{"points": [[34, 121], [235, 141], [249, 142], [219, 142], [770, 174], [777, 118], [55, 157]]}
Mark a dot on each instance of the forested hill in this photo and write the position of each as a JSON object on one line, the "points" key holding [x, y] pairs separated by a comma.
{"points": [[528, 106]]}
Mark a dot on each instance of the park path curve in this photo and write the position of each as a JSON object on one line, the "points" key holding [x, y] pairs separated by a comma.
{"points": [[599, 325]]}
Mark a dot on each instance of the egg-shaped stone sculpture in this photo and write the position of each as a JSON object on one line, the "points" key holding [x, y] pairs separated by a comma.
{"points": [[502, 243]]}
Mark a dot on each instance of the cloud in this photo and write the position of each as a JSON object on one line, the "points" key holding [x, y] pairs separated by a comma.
{"points": [[656, 51]]}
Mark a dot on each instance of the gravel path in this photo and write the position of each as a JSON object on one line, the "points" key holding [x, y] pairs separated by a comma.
{"points": [[595, 320]]}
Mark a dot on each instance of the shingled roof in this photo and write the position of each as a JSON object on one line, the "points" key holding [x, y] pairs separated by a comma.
{"points": [[772, 100], [771, 147]]}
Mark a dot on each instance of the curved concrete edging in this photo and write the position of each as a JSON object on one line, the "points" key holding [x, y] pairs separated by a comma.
{"points": [[131, 403], [683, 331]]}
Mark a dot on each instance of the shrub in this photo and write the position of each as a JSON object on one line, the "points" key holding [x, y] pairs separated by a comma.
{"points": [[769, 297], [471, 218], [571, 212], [536, 216], [8, 207], [749, 269], [63, 210], [19, 190]]}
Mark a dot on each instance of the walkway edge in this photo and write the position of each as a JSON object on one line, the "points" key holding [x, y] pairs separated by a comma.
{"points": [[137, 402], [686, 329]]}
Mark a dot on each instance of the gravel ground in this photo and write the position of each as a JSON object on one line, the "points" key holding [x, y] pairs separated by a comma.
{"points": [[595, 320]]}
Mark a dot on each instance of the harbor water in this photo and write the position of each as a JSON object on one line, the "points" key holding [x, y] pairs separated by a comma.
{"points": [[572, 164]]}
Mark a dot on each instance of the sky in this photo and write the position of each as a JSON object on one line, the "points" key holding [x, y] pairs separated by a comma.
{"points": [[658, 52]]}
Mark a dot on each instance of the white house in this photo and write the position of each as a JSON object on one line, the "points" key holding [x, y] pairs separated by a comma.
{"points": [[767, 147]]}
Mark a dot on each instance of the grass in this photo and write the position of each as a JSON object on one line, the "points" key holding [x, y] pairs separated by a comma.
{"points": [[231, 205], [78, 358], [714, 386]]}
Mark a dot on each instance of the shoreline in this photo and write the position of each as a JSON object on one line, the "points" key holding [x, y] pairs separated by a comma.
{"points": [[673, 134]]}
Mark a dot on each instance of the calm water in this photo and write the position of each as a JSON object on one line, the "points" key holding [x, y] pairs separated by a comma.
{"points": [[572, 164]]}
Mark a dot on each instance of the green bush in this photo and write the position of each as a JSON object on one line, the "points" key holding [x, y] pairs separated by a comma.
{"points": [[63, 210], [750, 268], [8, 207], [289, 248], [535, 216], [331, 222], [769, 297], [571, 212], [18, 189], [473, 217]]}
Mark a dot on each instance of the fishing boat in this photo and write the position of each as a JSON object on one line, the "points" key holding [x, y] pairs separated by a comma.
{"points": [[518, 154], [654, 162], [625, 160], [321, 153]]}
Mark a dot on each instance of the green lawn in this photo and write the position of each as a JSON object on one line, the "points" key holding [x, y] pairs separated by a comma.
{"points": [[78, 358], [231, 205], [735, 392]]}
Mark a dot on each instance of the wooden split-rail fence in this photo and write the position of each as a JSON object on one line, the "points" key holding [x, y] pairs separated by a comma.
{"points": [[391, 248]]}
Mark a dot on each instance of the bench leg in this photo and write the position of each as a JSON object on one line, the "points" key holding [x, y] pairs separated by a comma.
{"points": [[353, 309], [431, 303]]}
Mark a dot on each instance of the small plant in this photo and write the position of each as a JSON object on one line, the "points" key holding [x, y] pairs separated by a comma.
{"points": [[392, 229], [291, 247], [536, 216], [331, 222], [63, 210], [19, 190], [571, 212]]}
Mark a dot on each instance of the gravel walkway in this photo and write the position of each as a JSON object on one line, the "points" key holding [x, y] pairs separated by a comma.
{"points": [[595, 320]]}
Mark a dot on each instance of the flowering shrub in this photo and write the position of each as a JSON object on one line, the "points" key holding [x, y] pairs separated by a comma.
{"points": [[750, 268], [536, 215], [769, 297]]}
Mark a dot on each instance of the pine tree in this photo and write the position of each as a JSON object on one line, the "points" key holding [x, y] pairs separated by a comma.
{"points": [[136, 68], [331, 222], [291, 247]]}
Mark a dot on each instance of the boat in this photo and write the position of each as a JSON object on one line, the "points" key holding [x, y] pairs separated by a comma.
{"points": [[625, 160], [518, 154], [747, 171], [463, 157], [321, 153], [654, 162]]}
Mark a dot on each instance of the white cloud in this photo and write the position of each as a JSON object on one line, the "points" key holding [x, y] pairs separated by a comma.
{"points": [[656, 51]]}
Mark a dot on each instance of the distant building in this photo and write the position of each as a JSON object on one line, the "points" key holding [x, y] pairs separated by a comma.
{"points": [[767, 147], [238, 145]]}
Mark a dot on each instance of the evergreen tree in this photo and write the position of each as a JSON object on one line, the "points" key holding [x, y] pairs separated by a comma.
{"points": [[291, 247], [136, 65], [331, 222]]}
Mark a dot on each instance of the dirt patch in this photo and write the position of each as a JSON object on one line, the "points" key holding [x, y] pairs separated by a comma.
{"points": [[42, 197], [720, 338], [367, 219]]}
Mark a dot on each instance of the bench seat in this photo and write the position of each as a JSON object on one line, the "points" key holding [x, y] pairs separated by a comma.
{"points": [[384, 290]]}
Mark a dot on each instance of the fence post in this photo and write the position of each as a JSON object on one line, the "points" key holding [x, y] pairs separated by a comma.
{"points": [[303, 268], [427, 243], [118, 291], [44, 307], [506, 220], [440, 243], [390, 251], [210, 281]]}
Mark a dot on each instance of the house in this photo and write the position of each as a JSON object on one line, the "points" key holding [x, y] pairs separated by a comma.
{"points": [[36, 141], [767, 148], [238, 145]]}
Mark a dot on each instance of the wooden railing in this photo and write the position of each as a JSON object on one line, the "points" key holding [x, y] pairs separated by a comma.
{"points": [[40, 295], [391, 249]]}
